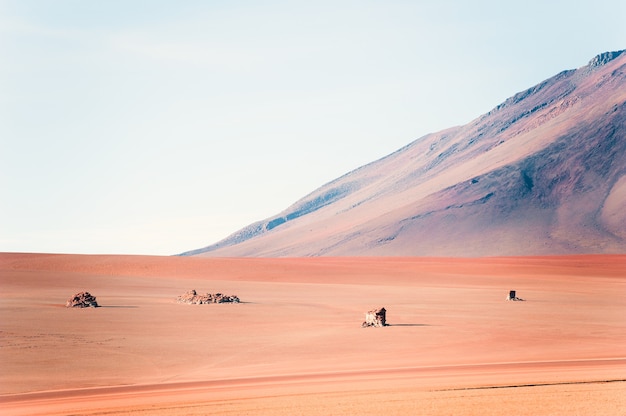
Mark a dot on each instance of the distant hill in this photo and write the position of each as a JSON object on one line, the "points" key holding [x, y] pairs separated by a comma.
{"points": [[542, 173]]}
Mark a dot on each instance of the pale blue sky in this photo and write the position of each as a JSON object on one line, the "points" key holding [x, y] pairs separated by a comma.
{"points": [[155, 127]]}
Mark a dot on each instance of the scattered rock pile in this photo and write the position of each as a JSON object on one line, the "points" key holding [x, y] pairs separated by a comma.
{"points": [[192, 297], [82, 300], [376, 317]]}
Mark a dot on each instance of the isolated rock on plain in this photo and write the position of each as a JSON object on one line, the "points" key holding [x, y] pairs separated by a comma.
{"points": [[82, 300], [375, 317], [513, 296]]}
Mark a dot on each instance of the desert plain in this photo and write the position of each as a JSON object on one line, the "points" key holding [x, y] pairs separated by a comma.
{"points": [[295, 345]]}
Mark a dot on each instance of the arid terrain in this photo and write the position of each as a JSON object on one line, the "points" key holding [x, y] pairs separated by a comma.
{"points": [[547, 163], [294, 345]]}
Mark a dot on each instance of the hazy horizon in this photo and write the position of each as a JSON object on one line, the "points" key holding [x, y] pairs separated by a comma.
{"points": [[146, 128]]}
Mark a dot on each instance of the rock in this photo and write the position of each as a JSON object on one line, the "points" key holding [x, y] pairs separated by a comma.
{"points": [[82, 300], [375, 317], [513, 296], [604, 58], [192, 297]]}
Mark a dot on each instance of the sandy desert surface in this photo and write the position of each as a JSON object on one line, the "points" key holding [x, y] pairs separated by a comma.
{"points": [[295, 345]]}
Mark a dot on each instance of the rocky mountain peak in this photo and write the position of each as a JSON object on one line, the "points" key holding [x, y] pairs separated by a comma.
{"points": [[604, 58]]}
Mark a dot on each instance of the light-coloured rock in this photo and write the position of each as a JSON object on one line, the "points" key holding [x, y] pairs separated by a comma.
{"points": [[375, 317]]}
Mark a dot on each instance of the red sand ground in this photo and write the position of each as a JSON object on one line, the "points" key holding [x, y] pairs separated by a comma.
{"points": [[295, 345]]}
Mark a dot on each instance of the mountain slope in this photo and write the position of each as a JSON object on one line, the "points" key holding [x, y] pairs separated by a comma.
{"points": [[542, 173]]}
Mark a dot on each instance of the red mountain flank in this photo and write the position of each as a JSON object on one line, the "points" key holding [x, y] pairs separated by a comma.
{"points": [[542, 173]]}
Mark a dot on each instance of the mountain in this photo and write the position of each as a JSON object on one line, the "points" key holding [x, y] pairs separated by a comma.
{"points": [[542, 173]]}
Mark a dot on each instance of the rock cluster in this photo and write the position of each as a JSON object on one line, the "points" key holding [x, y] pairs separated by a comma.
{"points": [[82, 300], [192, 297], [375, 317]]}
